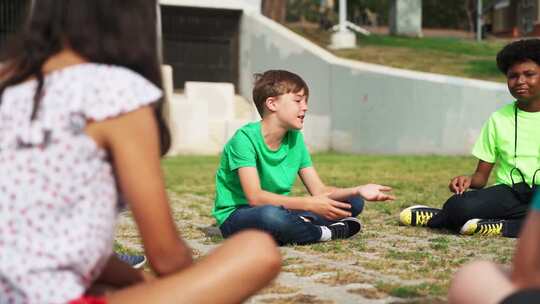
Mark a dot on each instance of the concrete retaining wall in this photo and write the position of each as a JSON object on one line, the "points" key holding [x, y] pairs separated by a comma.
{"points": [[365, 108]]}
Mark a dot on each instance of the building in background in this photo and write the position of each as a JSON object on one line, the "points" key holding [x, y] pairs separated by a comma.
{"points": [[201, 39], [212, 48], [354, 107], [513, 18]]}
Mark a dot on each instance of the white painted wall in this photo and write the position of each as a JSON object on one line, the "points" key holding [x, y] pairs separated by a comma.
{"points": [[365, 108]]}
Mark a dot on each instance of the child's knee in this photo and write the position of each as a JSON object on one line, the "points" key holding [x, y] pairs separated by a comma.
{"points": [[465, 282], [273, 217], [256, 239], [261, 247], [456, 207], [357, 205]]}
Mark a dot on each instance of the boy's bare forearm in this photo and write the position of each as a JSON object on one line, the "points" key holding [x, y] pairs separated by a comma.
{"points": [[342, 194], [289, 202], [319, 204], [478, 181], [481, 175]]}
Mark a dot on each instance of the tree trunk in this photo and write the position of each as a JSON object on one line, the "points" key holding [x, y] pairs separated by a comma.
{"points": [[470, 10], [274, 9]]}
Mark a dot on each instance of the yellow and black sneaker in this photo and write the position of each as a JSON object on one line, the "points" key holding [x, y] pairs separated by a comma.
{"points": [[417, 215], [483, 227]]}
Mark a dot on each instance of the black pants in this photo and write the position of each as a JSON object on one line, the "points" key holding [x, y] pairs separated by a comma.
{"points": [[496, 202], [524, 296]]}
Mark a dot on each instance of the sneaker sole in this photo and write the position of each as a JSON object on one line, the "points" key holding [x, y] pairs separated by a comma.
{"points": [[140, 264], [469, 227], [405, 216]]}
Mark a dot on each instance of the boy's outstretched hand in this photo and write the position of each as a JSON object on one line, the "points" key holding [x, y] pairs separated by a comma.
{"points": [[374, 192]]}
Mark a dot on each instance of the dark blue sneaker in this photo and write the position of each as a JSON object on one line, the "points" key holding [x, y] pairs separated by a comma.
{"points": [[135, 261], [345, 228]]}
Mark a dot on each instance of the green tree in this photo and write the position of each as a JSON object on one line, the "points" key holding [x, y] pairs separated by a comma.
{"points": [[456, 14], [303, 10], [275, 9], [357, 10]]}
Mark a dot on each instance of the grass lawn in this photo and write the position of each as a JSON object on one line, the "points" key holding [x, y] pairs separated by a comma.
{"points": [[419, 262], [451, 56]]}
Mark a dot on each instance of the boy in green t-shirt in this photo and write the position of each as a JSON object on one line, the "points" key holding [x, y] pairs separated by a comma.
{"points": [[511, 139], [259, 166]]}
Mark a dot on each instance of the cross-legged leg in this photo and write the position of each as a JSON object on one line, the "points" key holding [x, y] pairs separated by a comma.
{"points": [[284, 225], [496, 202], [243, 265]]}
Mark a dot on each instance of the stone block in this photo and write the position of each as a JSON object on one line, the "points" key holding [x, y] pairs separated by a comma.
{"points": [[189, 124], [406, 18], [342, 40], [219, 97]]}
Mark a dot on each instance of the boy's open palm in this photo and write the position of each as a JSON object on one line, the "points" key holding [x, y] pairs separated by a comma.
{"points": [[329, 208], [374, 192]]}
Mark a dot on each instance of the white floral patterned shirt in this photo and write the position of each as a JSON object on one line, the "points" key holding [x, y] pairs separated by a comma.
{"points": [[58, 196]]}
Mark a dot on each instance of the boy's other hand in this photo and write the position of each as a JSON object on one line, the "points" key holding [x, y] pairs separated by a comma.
{"points": [[374, 192], [328, 208], [460, 184]]}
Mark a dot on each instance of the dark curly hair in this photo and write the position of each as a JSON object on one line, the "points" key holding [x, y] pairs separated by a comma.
{"points": [[117, 32], [518, 52]]}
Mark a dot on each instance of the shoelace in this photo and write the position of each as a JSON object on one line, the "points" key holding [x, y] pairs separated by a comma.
{"points": [[490, 229], [422, 217]]}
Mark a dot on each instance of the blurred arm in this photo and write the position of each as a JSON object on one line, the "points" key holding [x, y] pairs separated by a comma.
{"points": [[526, 270], [132, 141]]}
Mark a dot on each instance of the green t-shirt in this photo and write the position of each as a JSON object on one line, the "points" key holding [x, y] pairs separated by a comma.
{"points": [[277, 169], [496, 144]]}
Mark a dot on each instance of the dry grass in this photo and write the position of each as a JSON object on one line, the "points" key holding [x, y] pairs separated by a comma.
{"points": [[276, 288], [344, 278], [297, 299], [405, 262], [369, 293]]}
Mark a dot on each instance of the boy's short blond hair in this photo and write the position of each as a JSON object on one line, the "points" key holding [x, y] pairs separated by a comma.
{"points": [[273, 83]]}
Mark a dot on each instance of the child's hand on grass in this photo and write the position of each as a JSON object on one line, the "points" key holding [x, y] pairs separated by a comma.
{"points": [[374, 192], [460, 184], [328, 208]]}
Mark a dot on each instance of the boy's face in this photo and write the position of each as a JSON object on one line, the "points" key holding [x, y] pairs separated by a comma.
{"points": [[291, 109], [523, 81]]}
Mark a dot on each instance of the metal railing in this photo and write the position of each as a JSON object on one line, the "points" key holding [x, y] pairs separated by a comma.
{"points": [[201, 44], [11, 14]]}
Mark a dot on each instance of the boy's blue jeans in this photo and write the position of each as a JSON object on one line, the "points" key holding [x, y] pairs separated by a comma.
{"points": [[286, 226]]}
